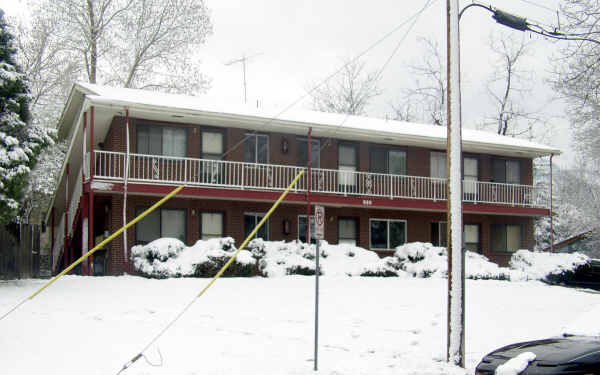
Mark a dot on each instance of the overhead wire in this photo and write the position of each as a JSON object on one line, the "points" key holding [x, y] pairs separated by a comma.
{"points": [[428, 4], [326, 79]]}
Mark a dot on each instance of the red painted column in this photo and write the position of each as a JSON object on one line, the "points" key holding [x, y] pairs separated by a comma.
{"points": [[91, 193], [308, 191], [84, 211], [66, 242], [52, 241]]}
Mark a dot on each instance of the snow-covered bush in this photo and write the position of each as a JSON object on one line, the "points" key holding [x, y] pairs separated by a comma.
{"points": [[551, 267], [169, 257], [296, 258], [421, 259]]}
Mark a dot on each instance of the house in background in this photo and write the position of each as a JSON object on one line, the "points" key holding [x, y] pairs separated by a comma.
{"points": [[382, 182]]}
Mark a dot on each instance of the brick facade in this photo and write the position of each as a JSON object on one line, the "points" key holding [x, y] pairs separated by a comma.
{"points": [[417, 163]]}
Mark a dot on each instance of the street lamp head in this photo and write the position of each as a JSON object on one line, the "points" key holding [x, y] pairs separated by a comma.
{"points": [[510, 20]]}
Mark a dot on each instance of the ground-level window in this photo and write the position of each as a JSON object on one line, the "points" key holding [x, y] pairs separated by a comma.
{"points": [[439, 233], [164, 222], [302, 228], [211, 225], [387, 234], [347, 231], [251, 220], [506, 237], [471, 237]]}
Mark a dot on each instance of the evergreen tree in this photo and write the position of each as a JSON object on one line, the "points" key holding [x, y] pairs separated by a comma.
{"points": [[20, 142]]}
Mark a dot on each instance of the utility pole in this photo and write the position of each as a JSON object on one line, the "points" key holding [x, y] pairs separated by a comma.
{"points": [[456, 263], [243, 60]]}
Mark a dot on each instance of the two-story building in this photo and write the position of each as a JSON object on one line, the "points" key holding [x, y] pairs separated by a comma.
{"points": [[382, 182]]}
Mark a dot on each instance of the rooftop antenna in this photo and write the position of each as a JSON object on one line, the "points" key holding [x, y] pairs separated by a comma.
{"points": [[243, 60]]}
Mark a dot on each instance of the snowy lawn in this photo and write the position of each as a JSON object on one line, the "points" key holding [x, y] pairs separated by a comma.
{"points": [[265, 325]]}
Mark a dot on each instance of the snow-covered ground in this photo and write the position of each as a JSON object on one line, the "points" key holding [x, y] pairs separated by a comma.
{"points": [[265, 325]]}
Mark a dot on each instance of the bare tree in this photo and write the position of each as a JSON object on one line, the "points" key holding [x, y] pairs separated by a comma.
{"points": [[577, 75], [508, 85], [138, 44], [426, 101], [350, 91]]}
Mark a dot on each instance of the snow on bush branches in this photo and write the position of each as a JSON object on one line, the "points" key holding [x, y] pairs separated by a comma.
{"points": [[168, 257]]}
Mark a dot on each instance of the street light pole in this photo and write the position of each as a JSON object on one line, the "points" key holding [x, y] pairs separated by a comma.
{"points": [[456, 274]]}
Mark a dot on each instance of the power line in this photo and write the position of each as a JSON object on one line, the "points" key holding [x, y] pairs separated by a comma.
{"points": [[428, 4], [322, 82], [539, 5]]}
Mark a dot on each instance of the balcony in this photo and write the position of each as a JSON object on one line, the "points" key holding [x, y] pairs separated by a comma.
{"points": [[154, 169]]}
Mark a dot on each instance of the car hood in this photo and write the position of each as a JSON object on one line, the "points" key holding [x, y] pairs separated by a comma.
{"points": [[553, 352]]}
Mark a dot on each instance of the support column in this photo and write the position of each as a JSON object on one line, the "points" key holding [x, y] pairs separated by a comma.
{"points": [[308, 208], [551, 217], [84, 212], [66, 242], [52, 230], [91, 193]]}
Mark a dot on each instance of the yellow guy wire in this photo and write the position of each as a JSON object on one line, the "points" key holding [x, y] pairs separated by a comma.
{"points": [[225, 266], [99, 246]]}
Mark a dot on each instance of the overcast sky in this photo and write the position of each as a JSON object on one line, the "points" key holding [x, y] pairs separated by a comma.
{"points": [[296, 43]]}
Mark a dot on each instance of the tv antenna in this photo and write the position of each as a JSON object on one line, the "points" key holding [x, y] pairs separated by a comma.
{"points": [[243, 60]]}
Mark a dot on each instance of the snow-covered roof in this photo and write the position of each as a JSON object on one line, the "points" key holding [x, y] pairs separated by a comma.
{"points": [[209, 111]]}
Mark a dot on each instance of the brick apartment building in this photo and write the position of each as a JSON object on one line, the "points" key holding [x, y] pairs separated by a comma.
{"points": [[382, 182]]}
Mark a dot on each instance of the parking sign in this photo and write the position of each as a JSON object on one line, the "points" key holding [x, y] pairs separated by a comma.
{"points": [[319, 222]]}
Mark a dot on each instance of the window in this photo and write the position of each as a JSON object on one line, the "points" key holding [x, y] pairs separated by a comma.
{"points": [[161, 140], [251, 220], [315, 152], [211, 225], [471, 237], [347, 231], [506, 237], [439, 233], [302, 228], [387, 161], [438, 165], [471, 175], [256, 148], [506, 171], [212, 149], [212, 145], [160, 223], [387, 234], [347, 161]]}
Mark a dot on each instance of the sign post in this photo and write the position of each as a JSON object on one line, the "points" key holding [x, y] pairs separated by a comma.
{"points": [[319, 234]]}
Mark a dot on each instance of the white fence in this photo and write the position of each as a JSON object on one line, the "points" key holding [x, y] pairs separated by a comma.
{"points": [[238, 175]]}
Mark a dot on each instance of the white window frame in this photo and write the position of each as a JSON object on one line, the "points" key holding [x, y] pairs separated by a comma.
{"points": [[438, 154], [211, 235], [388, 231], [312, 227], [345, 241], [256, 221], [439, 223], [316, 142], [250, 135]]}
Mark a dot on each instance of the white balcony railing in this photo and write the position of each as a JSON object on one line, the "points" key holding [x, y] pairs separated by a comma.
{"points": [[238, 175]]}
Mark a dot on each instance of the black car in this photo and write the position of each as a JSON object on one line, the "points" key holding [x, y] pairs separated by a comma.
{"points": [[563, 355]]}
